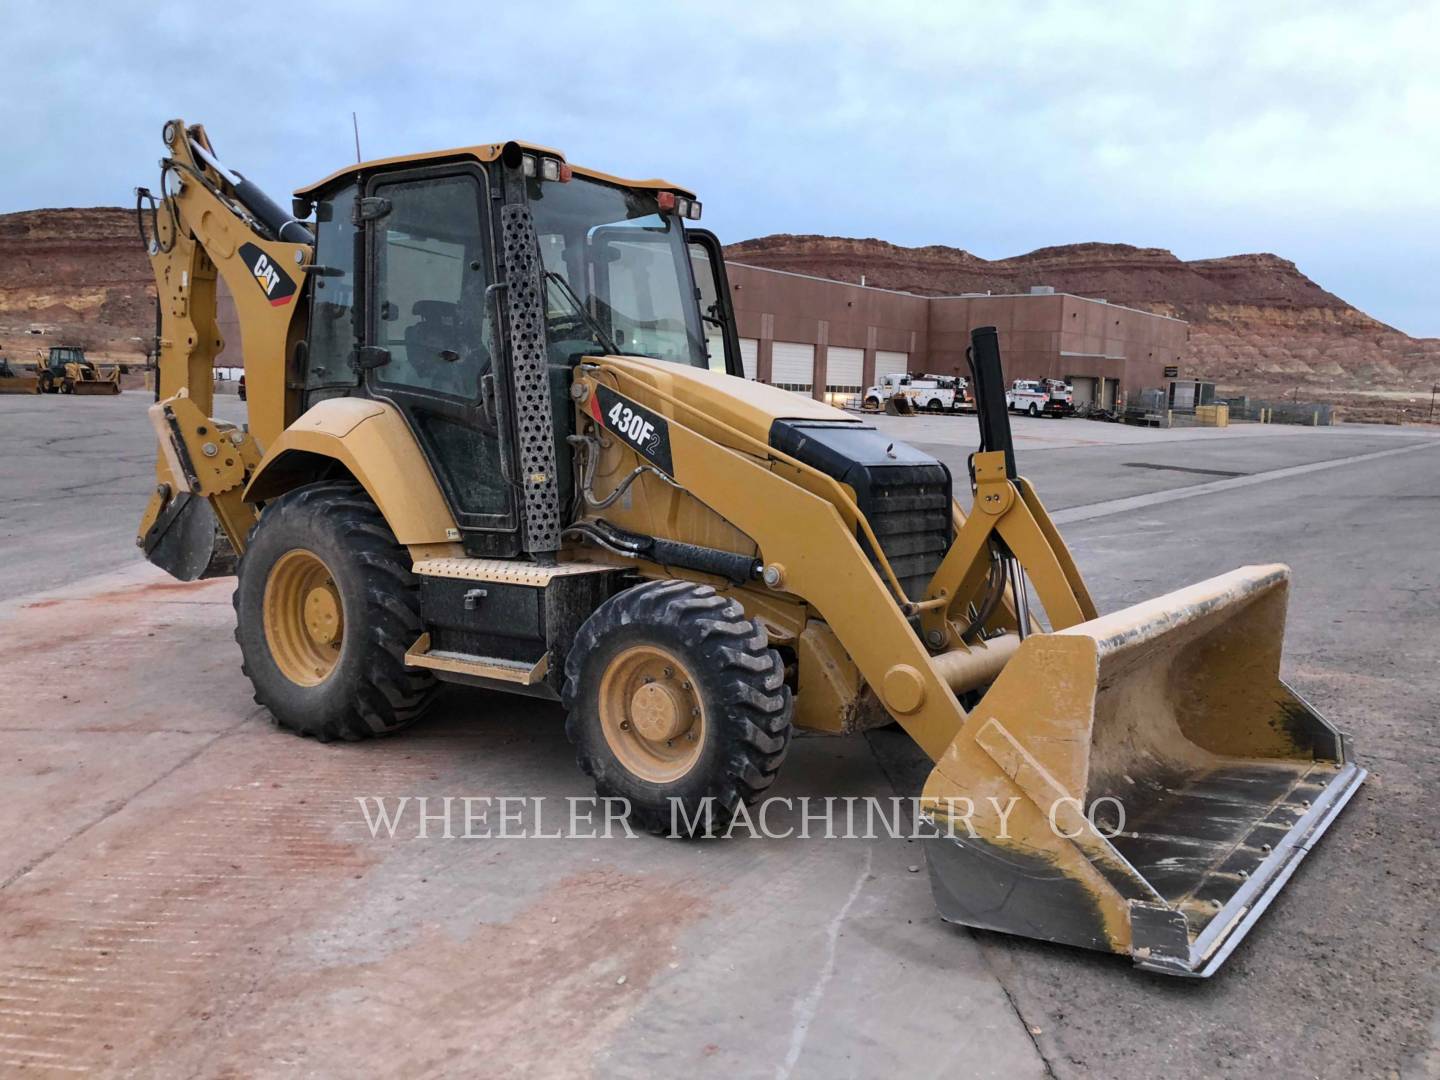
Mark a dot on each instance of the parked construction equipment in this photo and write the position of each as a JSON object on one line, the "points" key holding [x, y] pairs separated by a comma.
{"points": [[17, 382], [67, 371], [487, 445]]}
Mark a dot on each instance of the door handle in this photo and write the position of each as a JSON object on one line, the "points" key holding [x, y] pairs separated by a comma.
{"points": [[487, 400]]}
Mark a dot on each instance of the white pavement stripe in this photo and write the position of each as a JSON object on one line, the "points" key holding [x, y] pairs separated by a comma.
{"points": [[1214, 487], [805, 1008]]}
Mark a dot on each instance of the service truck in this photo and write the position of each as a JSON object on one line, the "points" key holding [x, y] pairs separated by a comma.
{"points": [[1040, 397], [933, 393]]}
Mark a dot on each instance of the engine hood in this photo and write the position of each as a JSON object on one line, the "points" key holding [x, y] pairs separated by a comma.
{"points": [[742, 404]]}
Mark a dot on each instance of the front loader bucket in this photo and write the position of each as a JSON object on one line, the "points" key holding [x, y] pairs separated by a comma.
{"points": [[97, 387], [19, 384], [1141, 783]]}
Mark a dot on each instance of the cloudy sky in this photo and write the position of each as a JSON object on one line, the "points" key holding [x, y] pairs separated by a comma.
{"points": [[1311, 130]]}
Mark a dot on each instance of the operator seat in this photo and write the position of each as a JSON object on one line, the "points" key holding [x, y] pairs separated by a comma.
{"points": [[436, 331]]}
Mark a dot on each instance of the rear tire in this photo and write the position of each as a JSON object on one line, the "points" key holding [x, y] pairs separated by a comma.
{"points": [[1034, 409], [325, 608], [675, 698]]}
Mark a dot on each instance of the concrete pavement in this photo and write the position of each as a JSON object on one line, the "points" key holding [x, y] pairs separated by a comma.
{"points": [[186, 891]]}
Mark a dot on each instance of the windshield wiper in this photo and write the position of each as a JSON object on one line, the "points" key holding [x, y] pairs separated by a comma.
{"points": [[590, 320]]}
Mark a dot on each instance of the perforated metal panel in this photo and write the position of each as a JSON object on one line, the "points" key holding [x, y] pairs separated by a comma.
{"points": [[534, 420]]}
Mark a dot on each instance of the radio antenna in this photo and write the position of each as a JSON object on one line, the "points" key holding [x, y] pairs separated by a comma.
{"points": [[356, 125]]}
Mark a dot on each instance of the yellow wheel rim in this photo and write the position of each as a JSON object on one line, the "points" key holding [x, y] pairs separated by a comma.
{"points": [[651, 714], [303, 617]]}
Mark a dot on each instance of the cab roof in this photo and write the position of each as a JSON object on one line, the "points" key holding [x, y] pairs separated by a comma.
{"points": [[484, 153]]}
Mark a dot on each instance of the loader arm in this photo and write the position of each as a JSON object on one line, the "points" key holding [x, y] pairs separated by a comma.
{"points": [[813, 551], [1172, 710], [201, 228]]}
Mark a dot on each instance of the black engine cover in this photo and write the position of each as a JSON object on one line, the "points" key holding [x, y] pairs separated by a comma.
{"points": [[903, 493]]}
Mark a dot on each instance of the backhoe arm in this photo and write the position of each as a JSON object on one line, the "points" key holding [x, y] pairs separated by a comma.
{"points": [[206, 223]]}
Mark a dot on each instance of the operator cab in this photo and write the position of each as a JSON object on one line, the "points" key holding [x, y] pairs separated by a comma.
{"points": [[426, 274]]}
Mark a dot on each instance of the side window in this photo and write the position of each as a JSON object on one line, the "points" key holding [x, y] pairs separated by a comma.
{"points": [[332, 329], [431, 277]]}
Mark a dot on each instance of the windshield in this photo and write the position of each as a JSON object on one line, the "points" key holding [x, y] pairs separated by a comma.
{"points": [[610, 249]]}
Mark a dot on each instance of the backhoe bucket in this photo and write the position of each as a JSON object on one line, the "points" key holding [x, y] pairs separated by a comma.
{"points": [[1142, 783], [185, 539]]}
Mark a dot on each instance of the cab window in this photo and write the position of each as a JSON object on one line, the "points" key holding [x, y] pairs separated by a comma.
{"points": [[431, 278]]}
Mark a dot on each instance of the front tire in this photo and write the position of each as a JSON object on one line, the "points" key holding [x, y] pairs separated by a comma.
{"points": [[325, 608], [676, 703]]}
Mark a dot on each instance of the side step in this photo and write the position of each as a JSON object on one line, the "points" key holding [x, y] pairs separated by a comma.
{"points": [[480, 667], [505, 624]]}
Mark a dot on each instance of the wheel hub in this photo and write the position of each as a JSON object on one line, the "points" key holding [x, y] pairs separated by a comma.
{"points": [[322, 614], [304, 619], [651, 713], [658, 713]]}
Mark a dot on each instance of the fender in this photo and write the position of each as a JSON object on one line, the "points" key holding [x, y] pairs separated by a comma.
{"points": [[372, 442]]}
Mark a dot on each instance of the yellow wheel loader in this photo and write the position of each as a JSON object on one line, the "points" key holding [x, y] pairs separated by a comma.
{"points": [[488, 445]]}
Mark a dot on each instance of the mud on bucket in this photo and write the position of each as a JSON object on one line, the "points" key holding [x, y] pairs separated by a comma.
{"points": [[1142, 783]]}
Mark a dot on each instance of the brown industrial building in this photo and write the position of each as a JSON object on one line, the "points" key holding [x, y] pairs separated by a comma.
{"points": [[831, 339], [822, 337]]}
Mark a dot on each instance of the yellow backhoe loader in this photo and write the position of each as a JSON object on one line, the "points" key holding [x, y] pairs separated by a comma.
{"points": [[67, 371], [488, 444]]}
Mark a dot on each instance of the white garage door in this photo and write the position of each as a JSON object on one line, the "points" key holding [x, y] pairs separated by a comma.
{"points": [[792, 366], [891, 363], [843, 371], [749, 355], [715, 348], [1083, 389]]}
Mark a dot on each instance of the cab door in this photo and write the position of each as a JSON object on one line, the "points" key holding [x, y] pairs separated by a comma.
{"points": [[717, 312], [431, 341]]}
